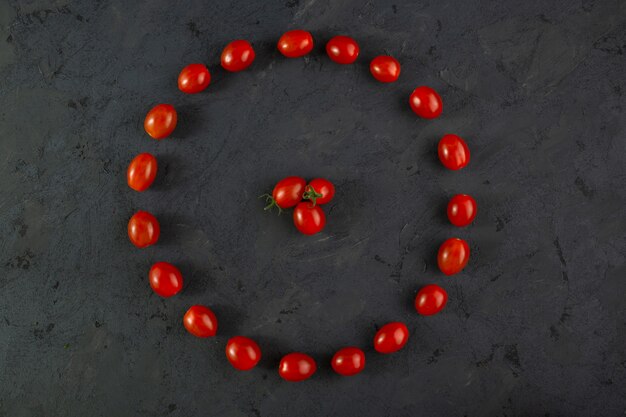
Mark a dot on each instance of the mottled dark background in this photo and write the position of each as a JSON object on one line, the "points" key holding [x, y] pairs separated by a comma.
{"points": [[535, 325]]}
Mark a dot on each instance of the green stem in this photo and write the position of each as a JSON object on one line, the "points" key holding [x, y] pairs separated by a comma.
{"points": [[311, 194]]}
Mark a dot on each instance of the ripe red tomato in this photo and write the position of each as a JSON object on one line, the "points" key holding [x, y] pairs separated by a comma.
{"points": [[385, 69], [453, 256], [200, 321], [160, 121], [288, 192], [461, 210], [391, 337], [295, 43], [141, 172], [309, 219], [430, 300], [237, 56], [143, 229], [348, 361], [319, 191], [194, 78], [165, 279], [426, 103], [342, 49], [453, 152], [243, 353], [296, 367]]}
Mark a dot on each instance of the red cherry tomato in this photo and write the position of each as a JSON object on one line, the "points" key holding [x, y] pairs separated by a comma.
{"points": [[461, 210], [309, 219], [141, 172], [237, 56], [391, 337], [287, 192], [243, 353], [296, 367], [348, 361], [453, 256], [295, 43], [385, 69], [453, 152], [342, 49], [426, 103], [194, 78], [160, 121], [430, 300], [200, 321], [319, 191], [143, 229], [165, 279]]}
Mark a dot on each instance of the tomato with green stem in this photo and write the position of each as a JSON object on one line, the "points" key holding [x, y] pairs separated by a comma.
{"points": [[319, 191], [287, 193]]}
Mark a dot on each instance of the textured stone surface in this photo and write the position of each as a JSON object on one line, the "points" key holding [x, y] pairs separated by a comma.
{"points": [[535, 324]]}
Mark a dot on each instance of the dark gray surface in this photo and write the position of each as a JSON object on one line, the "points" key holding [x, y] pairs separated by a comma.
{"points": [[535, 324]]}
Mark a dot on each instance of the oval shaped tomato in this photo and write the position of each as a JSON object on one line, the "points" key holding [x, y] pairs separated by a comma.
{"points": [[453, 152], [296, 367], [288, 192], [200, 321], [160, 121], [237, 56], [141, 172], [165, 279], [348, 361], [453, 256], [385, 69], [243, 353], [309, 219], [319, 191], [426, 103], [342, 50], [430, 300], [461, 210], [391, 337], [194, 78], [143, 229], [295, 43]]}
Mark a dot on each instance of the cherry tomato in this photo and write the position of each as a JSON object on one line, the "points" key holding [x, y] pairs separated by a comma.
{"points": [[243, 353], [295, 43], [453, 152], [391, 337], [194, 78], [141, 172], [160, 121], [385, 69], [296, 367], [165, 279], [461, 210], [287, 192], [342, 49], [348, 361], [200, 321], [453, 256], [319, 191], [237, 56], [426, 103], [143, 229], [430, 300], [309, 219]]}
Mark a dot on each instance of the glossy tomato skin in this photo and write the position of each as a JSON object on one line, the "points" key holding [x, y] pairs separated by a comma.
{"points": [[453, 256], [165, 279], [426, 102], [194, 78], [348, 361], [385, 69], [324, 187], [462, 210], [342, 50], [160, 121], [200, 321], [143, 229], [296, 367], [243, 353], [309, 219], [295, 43], [453, 152], [288, 191], [141, 172], [430, 300], [237, 56], [391, 337]]}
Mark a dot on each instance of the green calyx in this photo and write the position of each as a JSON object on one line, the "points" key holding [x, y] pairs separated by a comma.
{"points": [[271, 203], [311, 194]]}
